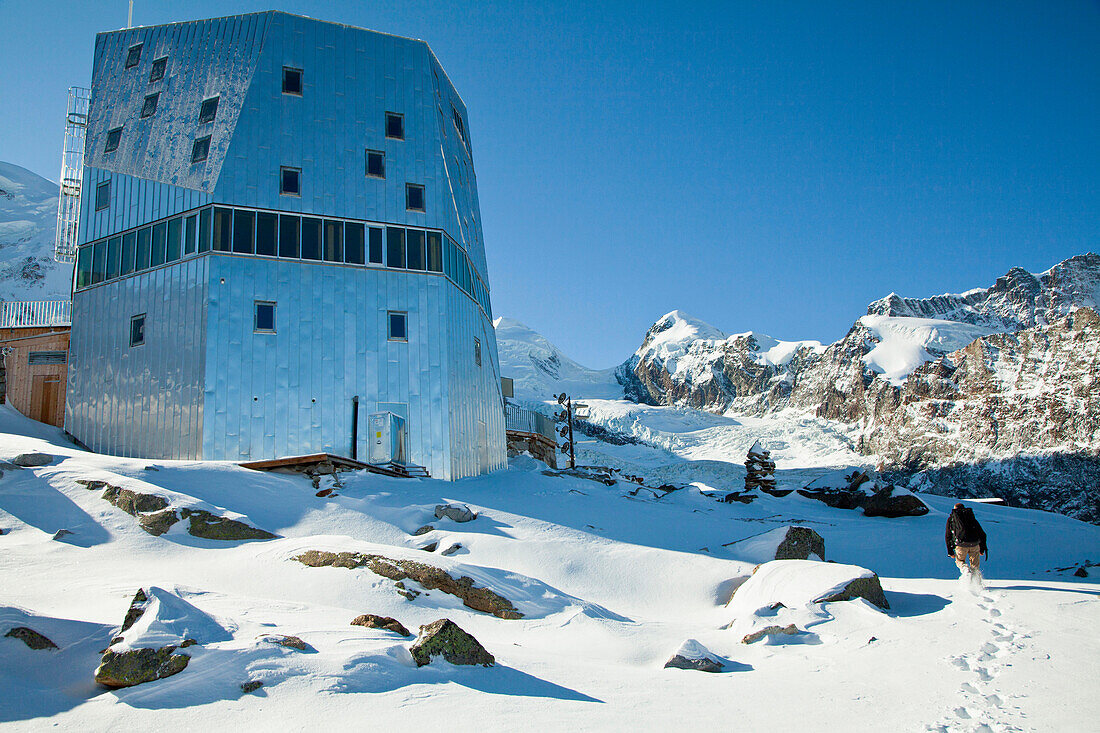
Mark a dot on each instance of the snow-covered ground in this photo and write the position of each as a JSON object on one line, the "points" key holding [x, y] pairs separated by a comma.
{"points": [[610, 584]]}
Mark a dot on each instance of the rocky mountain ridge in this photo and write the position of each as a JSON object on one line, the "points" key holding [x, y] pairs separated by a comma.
{"points": [[990, 392]]}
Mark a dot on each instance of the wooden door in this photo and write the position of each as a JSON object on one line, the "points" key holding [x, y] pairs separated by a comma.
{"points": [[44, 393]]}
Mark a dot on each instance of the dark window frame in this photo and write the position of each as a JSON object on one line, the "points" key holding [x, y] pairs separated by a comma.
{"points": [[409, 189], [159, 65], [137, 338], [103, 200], [404, 318], [114, 137], [283, 170], [380, 156], [202, 144], [477, 351], [208, 110], [400, 118], [133, 55], [301, 81], [145, 107], [256, 305]]}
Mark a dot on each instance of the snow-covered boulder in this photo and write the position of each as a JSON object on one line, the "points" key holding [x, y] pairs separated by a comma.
{"points": [[782, 543], [157, 627], [798, 583], [455, 512], [693, 655]]}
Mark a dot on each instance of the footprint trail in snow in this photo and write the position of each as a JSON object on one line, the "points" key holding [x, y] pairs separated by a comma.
{"points": [[979, 709]]}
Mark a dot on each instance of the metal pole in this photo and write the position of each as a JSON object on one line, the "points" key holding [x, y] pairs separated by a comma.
{"points": [[569, 412], [130, 16]]}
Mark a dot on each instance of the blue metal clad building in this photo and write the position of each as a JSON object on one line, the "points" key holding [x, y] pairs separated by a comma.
{"points": [[280, 216]]}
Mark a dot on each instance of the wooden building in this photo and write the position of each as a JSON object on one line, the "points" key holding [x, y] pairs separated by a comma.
{"points": [[34, 351]]}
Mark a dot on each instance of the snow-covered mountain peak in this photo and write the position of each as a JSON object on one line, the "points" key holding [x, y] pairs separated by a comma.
{"points": [[28, 220], [674, 333], [539, 369]]}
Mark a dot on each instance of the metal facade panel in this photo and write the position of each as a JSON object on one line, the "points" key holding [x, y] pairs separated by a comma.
{"points": [[142, 400], [134, 201], [205, 58]]}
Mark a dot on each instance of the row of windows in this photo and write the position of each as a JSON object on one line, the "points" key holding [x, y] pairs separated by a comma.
{"points": [[270, 234], [208, 111]]}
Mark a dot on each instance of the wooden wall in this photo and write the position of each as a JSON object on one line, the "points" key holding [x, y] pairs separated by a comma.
{"points": [[37, 391]]}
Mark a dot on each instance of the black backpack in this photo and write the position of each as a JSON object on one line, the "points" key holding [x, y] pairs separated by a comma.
{"points": [[964, 527]]}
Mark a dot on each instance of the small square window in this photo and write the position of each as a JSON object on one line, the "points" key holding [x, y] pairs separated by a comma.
{"points": [[289, 181], [376, 164], [200, 149], [103, 196], [292, 81], [414, 197], [150, 107], [208, 111], [395, 126], [137, 330], [133, 57], [157, 72], [265, 317], [399, 326], [477, 352], [114, 136]]}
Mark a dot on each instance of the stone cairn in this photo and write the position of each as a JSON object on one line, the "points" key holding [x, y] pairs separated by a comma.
{"points": [[759, 470]]}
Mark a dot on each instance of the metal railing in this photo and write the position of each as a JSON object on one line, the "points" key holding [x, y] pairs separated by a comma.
{"points": [[36, 313], [522, 420]]}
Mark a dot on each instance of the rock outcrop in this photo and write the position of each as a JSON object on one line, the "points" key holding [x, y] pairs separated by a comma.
{"points": [[454, 512], [429, 576], [388, 623], [31, 638], [135, 666], [782, 543], [444, 638], [855, 488], [774, 630], [868, 588], [32, 460], [156, 517]]}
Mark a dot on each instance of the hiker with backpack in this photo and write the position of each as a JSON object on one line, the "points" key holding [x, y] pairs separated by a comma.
{"points": [[965, 539]]}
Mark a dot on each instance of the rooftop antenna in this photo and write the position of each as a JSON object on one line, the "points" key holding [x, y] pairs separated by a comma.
{"points": [[130, 16]]}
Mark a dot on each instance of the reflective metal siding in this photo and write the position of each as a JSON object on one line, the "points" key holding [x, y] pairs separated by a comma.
{"points": [[206, 58], [134, 201], [291, 392], [351, 78], [145, 400]]}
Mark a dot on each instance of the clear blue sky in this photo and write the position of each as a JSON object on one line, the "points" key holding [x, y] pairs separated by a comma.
{"points": [[768, 166]]}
